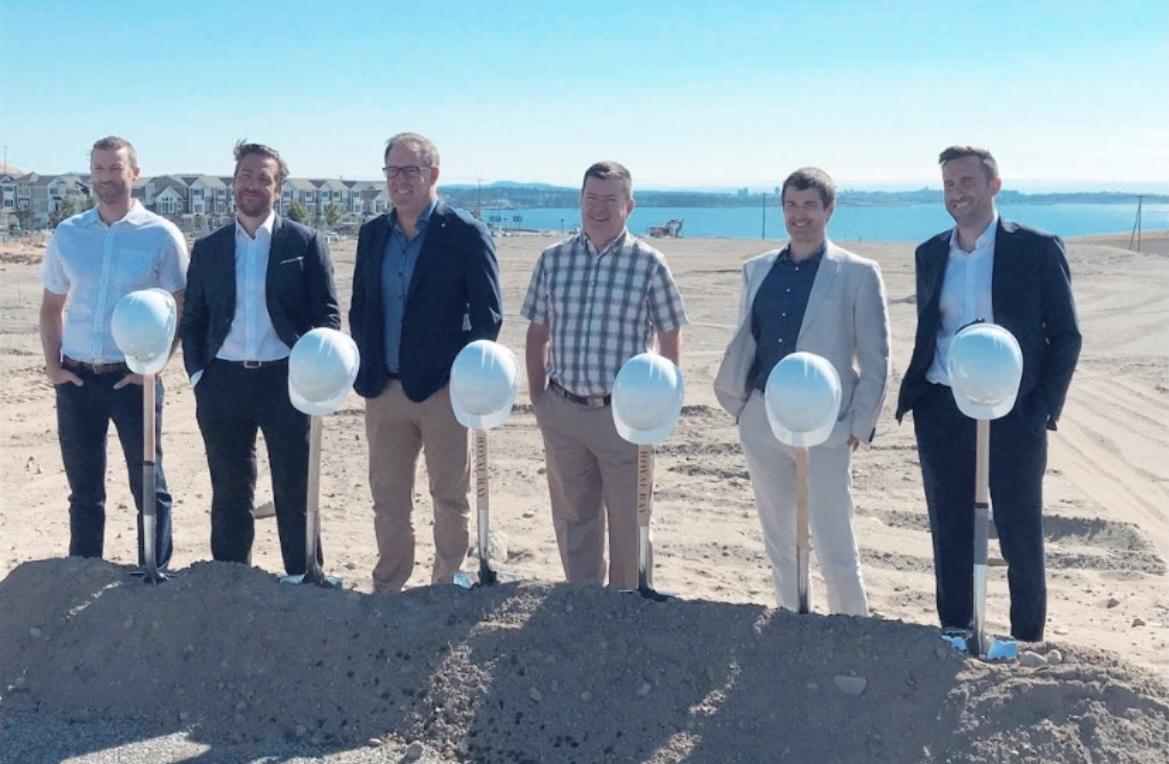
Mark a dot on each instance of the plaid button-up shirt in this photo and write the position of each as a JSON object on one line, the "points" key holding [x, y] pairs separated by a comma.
{"points": [[601, 308]]}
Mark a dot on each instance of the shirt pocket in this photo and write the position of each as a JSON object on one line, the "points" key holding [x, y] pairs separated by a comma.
{"points": [[136, 268]]}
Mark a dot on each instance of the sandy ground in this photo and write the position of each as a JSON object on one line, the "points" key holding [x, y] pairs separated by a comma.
{"points": [[1107, 502]]}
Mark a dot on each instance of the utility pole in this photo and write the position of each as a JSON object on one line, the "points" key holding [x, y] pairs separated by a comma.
{"points": [[764, 215], [479, 199], [1136, 226]]}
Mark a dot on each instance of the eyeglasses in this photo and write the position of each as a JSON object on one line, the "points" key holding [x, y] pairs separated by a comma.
{"points": [[409, 172]]}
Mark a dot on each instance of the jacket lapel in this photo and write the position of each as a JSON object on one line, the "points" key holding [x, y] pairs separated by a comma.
{"points": [[937, 269], [226, 254], [1000, 275], [825, 276], [275, 256]]}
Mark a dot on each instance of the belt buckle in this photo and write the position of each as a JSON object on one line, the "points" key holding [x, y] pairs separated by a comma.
{"points": [[252, 364]]}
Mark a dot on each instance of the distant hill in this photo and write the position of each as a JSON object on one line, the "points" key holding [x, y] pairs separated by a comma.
{"points": [[513, 195]]}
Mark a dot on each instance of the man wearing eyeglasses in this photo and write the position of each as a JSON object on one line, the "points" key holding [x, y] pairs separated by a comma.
{"points": [[426, 284]]}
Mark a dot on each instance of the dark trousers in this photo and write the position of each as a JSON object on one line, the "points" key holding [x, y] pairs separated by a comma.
{"points": [[83, 418], [1018, 458], [232, 403]]}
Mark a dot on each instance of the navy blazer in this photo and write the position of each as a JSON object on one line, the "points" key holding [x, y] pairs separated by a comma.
{"points": [[453, 299], [299, 289], [1031, 293]]}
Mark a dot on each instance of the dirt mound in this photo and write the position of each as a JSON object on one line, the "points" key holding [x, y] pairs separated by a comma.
{"points": [[543, 673]]}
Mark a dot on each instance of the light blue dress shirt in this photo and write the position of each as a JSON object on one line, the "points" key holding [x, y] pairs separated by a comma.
{"points": [[397, 270]]}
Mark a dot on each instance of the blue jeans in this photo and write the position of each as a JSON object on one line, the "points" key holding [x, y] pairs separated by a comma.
{"points": [[83, 417]]}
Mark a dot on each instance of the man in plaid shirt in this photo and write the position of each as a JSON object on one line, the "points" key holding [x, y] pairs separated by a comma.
{"points": [[595, 301]]}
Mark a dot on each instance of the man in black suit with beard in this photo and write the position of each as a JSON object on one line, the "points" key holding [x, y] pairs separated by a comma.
{"points": [[254, 287], [989, 269]]}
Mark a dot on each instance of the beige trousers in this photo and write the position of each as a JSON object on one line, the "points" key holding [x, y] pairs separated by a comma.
{"points": [[592, 476], [772, 466], [397, 429]]}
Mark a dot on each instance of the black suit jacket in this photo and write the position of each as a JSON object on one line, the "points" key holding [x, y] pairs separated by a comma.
{"points": [[1032, 297], [453, 299], [299, 292]]}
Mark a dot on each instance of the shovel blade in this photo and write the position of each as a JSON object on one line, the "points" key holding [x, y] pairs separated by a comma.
{"points": [[150, 575], [474, 580], [314, 576]]}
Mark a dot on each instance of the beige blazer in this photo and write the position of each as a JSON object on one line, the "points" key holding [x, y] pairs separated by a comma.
{"points": [[847, 322]]}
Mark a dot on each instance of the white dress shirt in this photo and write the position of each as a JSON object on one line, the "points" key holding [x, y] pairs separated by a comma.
{"points": [[97, 264], [252, 336], [966, 294]]}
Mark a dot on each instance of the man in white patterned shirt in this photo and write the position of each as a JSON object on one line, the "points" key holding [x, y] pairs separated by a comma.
{"points": [[595, 300], [92, 261]]}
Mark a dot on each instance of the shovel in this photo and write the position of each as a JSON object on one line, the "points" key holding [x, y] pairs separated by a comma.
{"points": [[980, 645], [645, 482], [976, 642], [150, 572], [803, 544], [487, 575], [312, 518]]}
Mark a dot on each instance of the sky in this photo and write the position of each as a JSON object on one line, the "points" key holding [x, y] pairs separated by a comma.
{"points": [[1068, 95]]}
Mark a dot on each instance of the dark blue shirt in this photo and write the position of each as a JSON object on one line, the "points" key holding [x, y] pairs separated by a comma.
{"points": [[778, 311], [397, 270]]}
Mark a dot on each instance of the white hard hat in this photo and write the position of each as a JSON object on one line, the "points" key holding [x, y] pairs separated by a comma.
{"points": [[647, 398], [985, 365], [484, 378], [802, 398], [321, 370], [143, 326]]}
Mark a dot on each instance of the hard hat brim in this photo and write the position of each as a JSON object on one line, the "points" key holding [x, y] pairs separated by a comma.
{"points": [[317, 408], [148, 366], [983, 411], [799, 439], [482, 421], [645, 437]]}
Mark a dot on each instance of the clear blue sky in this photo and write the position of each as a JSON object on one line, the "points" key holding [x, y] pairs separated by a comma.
{"points": [[1066, 93]]}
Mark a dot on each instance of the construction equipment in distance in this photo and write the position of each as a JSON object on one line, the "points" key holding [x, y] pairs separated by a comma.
{"points": [[671, 230]]}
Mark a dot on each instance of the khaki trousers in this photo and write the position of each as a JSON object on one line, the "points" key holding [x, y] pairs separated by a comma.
{"points": [[592, 476], [772, 466], [397, 429]]}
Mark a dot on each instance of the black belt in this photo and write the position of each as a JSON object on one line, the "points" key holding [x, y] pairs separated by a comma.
{"points": [[254, 364], [116, 367], [592, 402]]}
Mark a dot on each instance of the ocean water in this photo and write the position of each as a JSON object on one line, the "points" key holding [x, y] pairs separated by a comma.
{"points": [[912, 223]]}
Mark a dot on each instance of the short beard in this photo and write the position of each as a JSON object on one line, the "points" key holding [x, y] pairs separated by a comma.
{"points": [[252, 209], [110, 195]]}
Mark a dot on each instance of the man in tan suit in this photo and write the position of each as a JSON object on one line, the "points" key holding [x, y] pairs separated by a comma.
{"points": [[815, 297]]}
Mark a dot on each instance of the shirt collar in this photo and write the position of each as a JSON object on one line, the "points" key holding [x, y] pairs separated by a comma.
{"points": [[423, 217], [265, 227], [617, 242], [136, 214], [985, 239], [786, 254]]}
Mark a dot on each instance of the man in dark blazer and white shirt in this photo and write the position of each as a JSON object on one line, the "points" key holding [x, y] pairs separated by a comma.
{"points": [[993, 270], [254, 287], [426, 283]]}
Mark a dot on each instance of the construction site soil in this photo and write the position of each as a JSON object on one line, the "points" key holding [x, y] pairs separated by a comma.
{"points": [[245, 666]]}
